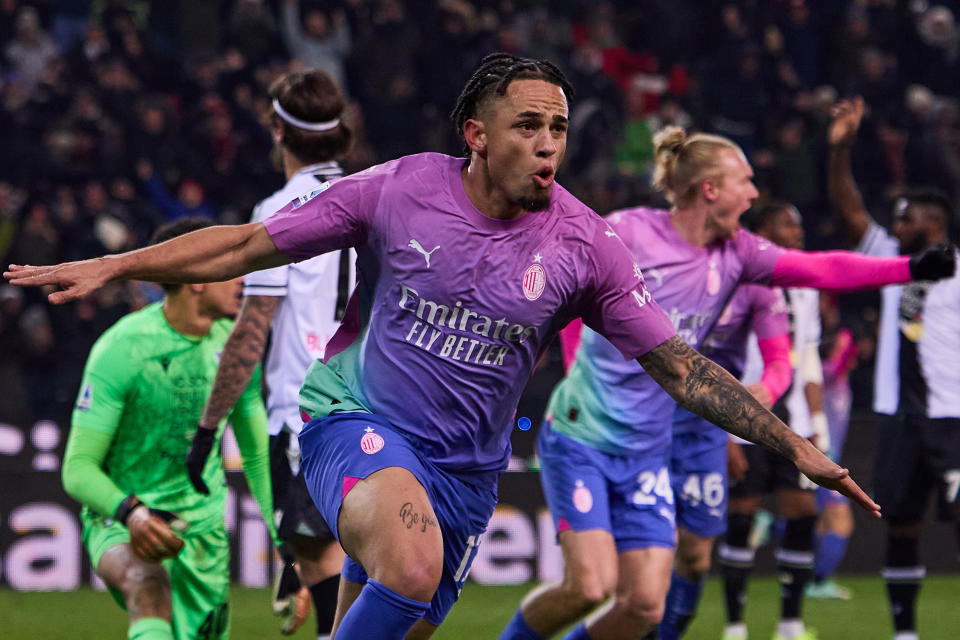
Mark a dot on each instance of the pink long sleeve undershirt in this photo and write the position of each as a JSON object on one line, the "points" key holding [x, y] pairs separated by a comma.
{"points": [[777, 371], [840, 271]]}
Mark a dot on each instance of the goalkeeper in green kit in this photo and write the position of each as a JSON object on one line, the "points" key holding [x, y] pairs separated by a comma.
{"points": [[160, 546]]}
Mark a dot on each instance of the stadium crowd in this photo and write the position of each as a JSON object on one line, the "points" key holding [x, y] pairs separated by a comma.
{"points": [[119, 115]]}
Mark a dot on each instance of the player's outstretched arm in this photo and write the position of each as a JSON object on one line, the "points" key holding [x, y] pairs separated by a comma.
{"points": [[213, 254], [844, 195], [845, 271], [706, 389], [240, 357]]}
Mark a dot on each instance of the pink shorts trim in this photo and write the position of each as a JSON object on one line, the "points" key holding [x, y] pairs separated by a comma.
{"points": [[348, 482]]}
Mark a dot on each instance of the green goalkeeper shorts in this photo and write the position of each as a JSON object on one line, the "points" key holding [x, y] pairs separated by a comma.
{"points": [[199, 577]]}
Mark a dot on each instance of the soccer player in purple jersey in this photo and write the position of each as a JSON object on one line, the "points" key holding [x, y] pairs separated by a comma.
{"points": [[468, 268], [604, 446]]}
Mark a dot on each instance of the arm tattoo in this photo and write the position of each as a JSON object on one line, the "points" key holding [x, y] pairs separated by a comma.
{"points": [[707, 390], [240, 356], [413, 518]]}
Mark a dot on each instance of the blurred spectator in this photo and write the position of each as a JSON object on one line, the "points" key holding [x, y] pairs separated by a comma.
{"points": [[38, 361], [388, 46], [70, 22], [30, 50], [11, 200], [320, 41], [189, 200], [737, 103], [39, 241], [253, 30], [793, 166], [933, 57], [802, 40]]}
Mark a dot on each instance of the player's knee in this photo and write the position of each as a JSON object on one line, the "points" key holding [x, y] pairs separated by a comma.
{"points": [[589, 584], [591, 592], [414, 575], [146, 588], [697, 567], [693, 562], [643, 608]]}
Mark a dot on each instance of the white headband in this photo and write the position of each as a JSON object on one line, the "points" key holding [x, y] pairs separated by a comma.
{"points": [[303, 124]]}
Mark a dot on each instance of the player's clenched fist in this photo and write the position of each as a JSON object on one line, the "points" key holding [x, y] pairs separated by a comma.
{"points": [[150, 536]]}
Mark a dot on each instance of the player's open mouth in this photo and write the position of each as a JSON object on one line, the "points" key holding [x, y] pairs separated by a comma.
{"points": [[544, 177]]}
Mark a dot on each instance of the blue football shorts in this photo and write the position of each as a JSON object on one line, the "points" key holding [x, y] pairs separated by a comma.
{"points": [[628, 495], [346, 447]]}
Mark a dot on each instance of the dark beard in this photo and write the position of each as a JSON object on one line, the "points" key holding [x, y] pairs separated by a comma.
{"points": [[535, 203]]}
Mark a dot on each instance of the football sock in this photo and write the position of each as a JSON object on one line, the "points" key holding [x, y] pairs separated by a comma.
{"points": [[795, 564], [903, 575], [681, 604], [736, 563], [150, 629], [380, 612], [518, 629], [830, 551], [324, 596]]}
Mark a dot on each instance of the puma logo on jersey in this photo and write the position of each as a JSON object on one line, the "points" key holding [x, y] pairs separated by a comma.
{"points": [[414, 244], [609, 234]]}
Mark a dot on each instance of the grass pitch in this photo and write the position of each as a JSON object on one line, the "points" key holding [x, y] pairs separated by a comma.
{"points": [[482, 612]]}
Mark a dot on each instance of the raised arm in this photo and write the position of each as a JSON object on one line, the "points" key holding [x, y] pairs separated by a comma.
{"points": [[844, 195], [708, 390], [213, 254]]}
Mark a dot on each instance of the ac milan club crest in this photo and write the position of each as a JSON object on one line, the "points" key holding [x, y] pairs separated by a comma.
{"points": [[371, 442], [534, 280], [582, 498]]}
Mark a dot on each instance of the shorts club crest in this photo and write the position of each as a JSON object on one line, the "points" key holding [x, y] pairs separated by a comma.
{"points": [[371, 442], [582, 498]]}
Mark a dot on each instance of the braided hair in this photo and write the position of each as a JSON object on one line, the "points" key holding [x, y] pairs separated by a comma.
{"points": [[493, 77]]}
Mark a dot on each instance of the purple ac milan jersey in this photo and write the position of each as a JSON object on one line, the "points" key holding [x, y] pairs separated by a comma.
{"points": [[453, 307], [612, 404]]}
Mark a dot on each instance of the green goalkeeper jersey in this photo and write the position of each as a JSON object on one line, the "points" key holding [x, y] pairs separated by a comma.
{"points": [[146, 384]]}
